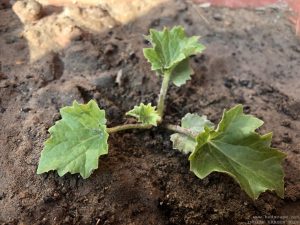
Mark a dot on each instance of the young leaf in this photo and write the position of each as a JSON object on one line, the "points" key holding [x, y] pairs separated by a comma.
{"points": [[76, 141], [236, 149], [145, 114], [171, 49], [194, 123]]}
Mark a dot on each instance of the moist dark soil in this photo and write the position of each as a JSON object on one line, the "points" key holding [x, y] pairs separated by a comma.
{"points": [[252, 58]]}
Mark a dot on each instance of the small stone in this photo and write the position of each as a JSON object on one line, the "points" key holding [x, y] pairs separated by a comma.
{"points": [[244, 83], [228, 82], [119, 77], [217, 17], [25, 109], [266, 89]]}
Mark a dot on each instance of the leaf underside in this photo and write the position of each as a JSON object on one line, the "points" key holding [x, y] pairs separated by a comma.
{"points": [[145, 114], [236, 149], [171, 51], [195, 123], [76, 142]]}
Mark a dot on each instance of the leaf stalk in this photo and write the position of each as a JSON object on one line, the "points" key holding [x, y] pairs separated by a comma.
{"points": [[179, 129], [128, 127], [170, 127], [162, 94]]}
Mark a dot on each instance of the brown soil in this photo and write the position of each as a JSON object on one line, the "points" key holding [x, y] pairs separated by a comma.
{"points": [[252, 58]]}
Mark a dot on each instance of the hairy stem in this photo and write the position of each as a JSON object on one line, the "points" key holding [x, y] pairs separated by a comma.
{"points": [[171, 127], [128, 127], [162, 94], [181, 130]]}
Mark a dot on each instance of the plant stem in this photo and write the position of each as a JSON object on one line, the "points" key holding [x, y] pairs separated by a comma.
{"points": [[181, 130], [162, 94], [128, 127], [171, 127]]}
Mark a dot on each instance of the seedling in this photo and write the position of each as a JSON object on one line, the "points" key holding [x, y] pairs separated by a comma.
{"points": [[232, 147]]}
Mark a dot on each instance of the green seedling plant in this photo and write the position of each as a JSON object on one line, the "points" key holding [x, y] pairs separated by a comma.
{"points": [[233, 146]]}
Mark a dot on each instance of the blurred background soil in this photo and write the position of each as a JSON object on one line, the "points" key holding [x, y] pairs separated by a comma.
{"points": [[54, 52]]}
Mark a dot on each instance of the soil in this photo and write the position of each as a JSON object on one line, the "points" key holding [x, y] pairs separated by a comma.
{"points": [[252, 57]]}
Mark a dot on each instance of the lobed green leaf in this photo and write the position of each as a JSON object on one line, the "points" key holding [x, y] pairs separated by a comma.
{"points": [[146, 114], [170, 52], [236, 149], [195, 123], [76, 142]]}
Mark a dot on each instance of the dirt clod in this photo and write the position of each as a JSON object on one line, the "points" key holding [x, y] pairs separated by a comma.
{"points": [[28, 10]]}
